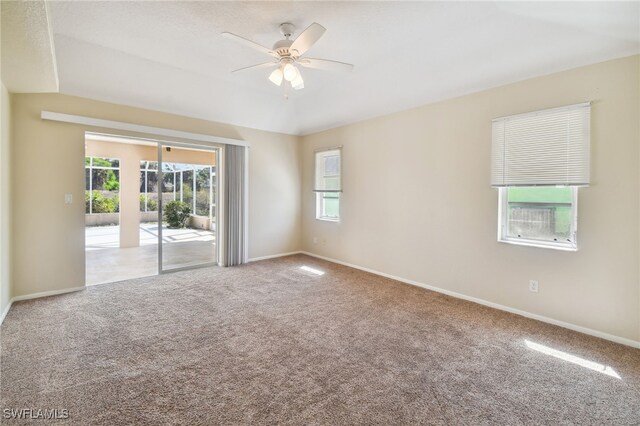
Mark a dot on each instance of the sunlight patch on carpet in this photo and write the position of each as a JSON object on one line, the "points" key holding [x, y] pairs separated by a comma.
{"points": [[604, 369], [312, 270]]}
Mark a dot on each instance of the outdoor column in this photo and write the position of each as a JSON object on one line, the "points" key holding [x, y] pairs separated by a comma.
{"points": [[130, 201]]}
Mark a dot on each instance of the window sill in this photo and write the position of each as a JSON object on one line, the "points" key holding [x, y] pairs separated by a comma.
{"points": [[328, 219], [539, 244]]}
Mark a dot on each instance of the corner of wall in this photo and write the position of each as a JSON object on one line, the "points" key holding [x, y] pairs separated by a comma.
{"points": [[637, 65], [300, 146], [6, 291], [414, 236]]}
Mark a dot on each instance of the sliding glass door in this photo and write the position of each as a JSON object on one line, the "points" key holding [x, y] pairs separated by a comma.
{"points": [[188, 208]]}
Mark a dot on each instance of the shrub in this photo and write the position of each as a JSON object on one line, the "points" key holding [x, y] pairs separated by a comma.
{"points": [[176, 213], [202, 202], [100, 203], [152, 205], [87, 197], [187, 194]]}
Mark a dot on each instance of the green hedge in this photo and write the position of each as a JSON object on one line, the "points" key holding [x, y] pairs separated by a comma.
{"points": [[100, 203], [176, 213], [152, 205]]}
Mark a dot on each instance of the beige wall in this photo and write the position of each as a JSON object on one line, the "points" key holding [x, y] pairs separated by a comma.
{"points": [[48, 160], [274, 195], [417, 202], [5, 206]]}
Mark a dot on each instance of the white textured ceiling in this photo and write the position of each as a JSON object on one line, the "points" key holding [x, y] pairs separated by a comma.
{"points": [[169, 56], [28, 59]]}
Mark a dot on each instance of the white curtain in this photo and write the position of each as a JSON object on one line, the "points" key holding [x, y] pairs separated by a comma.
{"points": [[235, 205]]}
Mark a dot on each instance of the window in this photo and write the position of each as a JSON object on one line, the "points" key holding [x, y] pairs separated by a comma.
{"points": [[542, 216], [191, 183], [539, 160], [148, 186], [328, 183], [102, 185]]}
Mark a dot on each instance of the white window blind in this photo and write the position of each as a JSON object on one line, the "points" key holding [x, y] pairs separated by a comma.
{"points": [[548, 147], [328, 170]]}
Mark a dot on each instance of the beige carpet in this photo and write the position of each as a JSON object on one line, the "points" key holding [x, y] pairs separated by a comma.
{"points": [[271, 343]]}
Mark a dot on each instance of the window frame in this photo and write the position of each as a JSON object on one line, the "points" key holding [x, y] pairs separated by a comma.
{"points": [[319, 194], [503, 223], [90, 167], [320, 204]]}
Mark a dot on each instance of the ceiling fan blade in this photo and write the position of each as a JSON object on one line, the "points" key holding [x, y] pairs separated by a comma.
{"points": [[307, 38], [250, 44], [251, 67], [325, 64]]}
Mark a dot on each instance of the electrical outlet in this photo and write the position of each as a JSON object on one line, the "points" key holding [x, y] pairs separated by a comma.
{"points": [[533, 286], [68, 198], [315, 240]]}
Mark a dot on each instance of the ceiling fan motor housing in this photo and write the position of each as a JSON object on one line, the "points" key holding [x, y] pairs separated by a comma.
{"points": [[281, 47], [287, 29]]}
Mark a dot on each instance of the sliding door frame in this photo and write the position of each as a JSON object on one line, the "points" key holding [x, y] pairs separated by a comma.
{"points": [[217, 150]]}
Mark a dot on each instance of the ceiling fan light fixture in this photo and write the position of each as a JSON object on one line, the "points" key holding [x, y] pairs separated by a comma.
{"points": [[290, 72], [276, 77], [298, 83]]}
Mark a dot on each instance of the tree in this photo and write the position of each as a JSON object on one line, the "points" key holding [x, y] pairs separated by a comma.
{"points": [[104, 178]]}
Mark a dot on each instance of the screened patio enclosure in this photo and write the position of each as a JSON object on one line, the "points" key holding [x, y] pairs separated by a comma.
{"points": [[132, 187], [189, 183]]}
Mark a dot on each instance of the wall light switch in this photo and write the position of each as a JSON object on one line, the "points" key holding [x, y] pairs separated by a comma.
{"points": [[68, 198]]}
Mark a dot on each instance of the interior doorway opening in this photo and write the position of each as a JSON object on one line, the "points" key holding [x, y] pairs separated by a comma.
{"points": [[150, 207]]}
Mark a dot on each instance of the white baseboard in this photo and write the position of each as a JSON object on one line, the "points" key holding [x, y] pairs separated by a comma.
{"points": [[6, 311], [580, 329], [47, 293], [273, 256], [70, 290], [37, 296]]}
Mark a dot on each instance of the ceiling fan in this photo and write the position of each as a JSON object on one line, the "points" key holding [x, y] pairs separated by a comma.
{"points": [[288, 53]]}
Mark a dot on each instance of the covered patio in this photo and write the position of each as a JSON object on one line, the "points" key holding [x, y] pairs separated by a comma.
{"points": [[106, 261]]}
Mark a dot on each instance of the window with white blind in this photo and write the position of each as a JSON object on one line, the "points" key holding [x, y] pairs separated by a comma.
{"points": [[539, 160], [328, 183]]}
